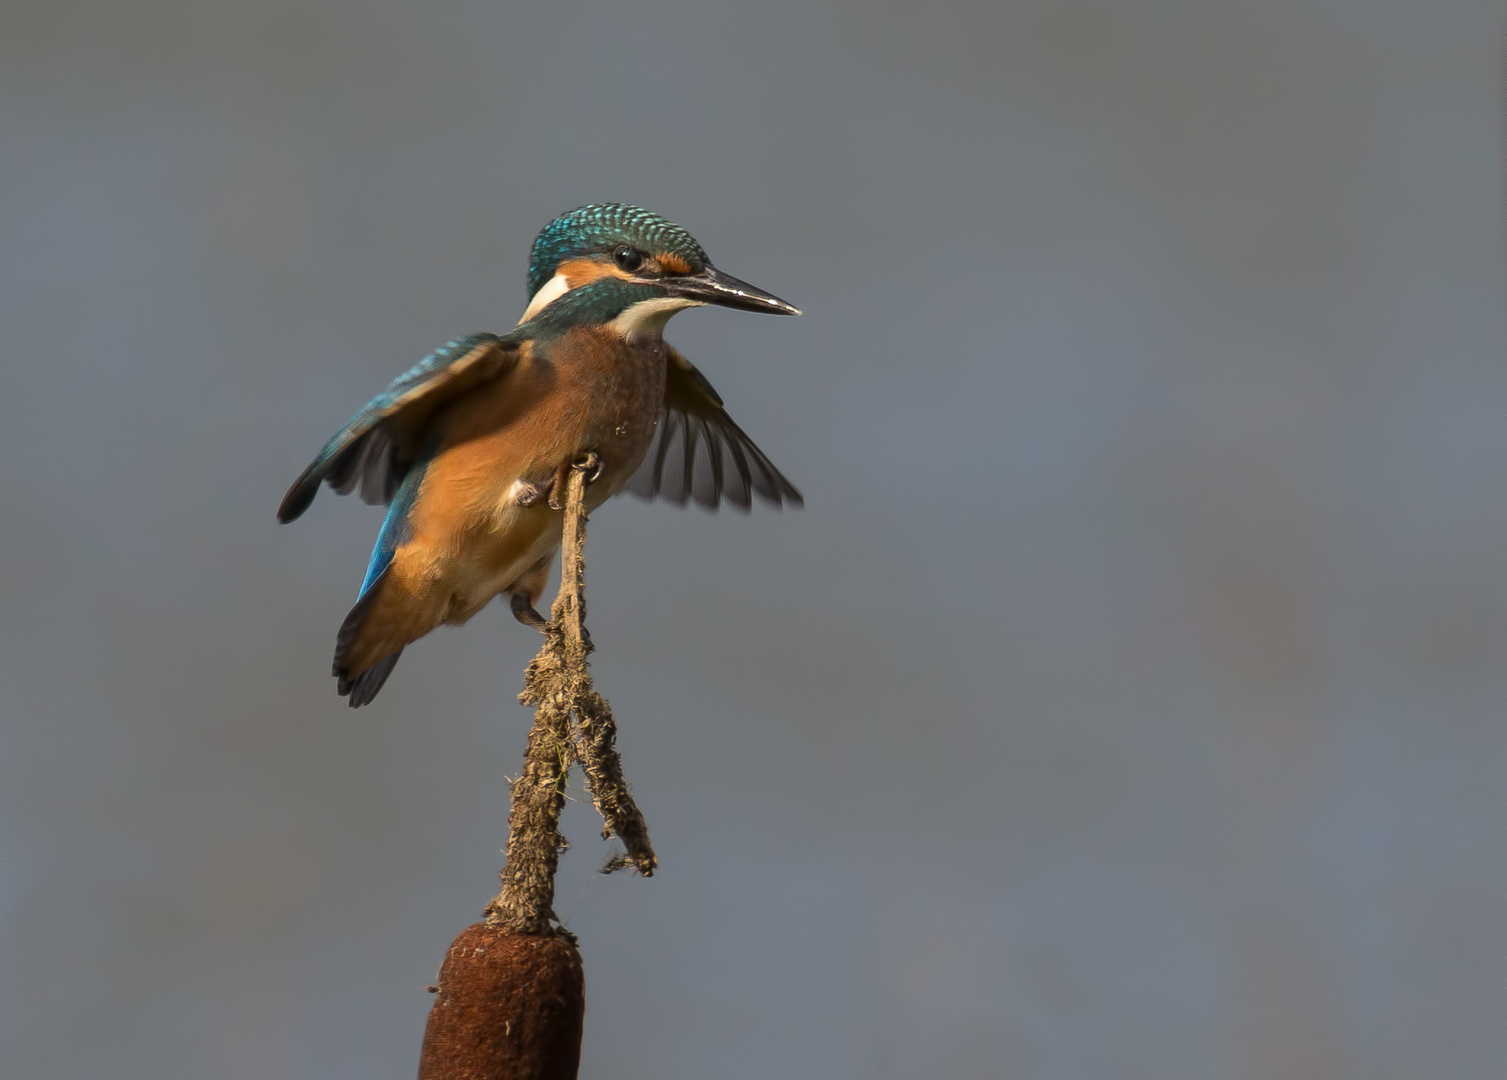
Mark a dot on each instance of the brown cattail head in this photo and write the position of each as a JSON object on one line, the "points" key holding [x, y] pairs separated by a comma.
{"points": [[509, 1007]]}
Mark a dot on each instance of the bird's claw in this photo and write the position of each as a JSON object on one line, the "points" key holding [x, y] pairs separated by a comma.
{"points": [[529, 494], [591, 464]]}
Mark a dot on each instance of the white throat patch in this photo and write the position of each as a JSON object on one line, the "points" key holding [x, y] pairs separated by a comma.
{"points": [[647, 318], [548, 293]]}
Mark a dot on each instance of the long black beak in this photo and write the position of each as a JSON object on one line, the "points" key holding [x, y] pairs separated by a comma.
{"points": [[712, 286]]}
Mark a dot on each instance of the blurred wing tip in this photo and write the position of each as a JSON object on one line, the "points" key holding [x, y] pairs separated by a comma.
{"points": [[295, 502]]}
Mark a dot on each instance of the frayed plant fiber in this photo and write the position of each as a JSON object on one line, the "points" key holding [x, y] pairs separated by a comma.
{"points": [[572, 723]]}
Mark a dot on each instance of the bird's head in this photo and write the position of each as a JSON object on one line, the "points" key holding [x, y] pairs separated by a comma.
{"points": [[620, 265]]}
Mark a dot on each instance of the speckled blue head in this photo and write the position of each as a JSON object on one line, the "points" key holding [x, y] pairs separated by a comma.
{"points": [[598, 229]]}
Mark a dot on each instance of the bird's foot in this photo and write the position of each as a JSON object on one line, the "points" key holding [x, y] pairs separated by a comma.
{"points": [[590, 463], [524, 612], [557, 486], [529, 494]]}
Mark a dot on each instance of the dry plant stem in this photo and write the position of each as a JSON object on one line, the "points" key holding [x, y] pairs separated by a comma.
{"points": [[526, 903], [594, 731], [571, 721]]}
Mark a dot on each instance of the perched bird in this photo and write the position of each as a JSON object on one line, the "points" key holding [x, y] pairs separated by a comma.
{"points": [[471, 446]]}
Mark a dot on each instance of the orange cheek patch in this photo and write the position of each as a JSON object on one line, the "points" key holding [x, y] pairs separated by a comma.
{"points": [[578, 272], [673, 263]]}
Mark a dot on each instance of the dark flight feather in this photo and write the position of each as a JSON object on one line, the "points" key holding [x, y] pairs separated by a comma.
{"points": [[700, 453], [373, 452]]}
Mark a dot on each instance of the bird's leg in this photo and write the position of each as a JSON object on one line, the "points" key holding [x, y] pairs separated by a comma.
{"points": [[529, 494], [524, 593], [557, 485], [524, 611], [590, 463]]}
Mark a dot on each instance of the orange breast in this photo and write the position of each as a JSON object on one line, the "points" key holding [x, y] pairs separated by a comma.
{"points": [[591, 391]]}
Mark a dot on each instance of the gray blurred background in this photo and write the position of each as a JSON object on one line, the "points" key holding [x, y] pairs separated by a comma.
{"points": [[1127, 702]]}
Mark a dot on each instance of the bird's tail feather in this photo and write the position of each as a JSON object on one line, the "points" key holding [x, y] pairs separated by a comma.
{"points": [[370, 641], [364, 687]]}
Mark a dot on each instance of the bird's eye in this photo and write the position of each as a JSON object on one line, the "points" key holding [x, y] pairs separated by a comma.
{"points": [[629, 258]]}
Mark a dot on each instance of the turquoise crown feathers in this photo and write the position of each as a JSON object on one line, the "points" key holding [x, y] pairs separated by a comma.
{"points": [[599, 228]]}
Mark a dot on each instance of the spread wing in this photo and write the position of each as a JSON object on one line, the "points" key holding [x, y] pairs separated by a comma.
{"points": [[699, 453], [373, 452]]}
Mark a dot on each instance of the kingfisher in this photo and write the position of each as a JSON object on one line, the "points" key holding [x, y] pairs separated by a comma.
{"points": [[471, 447]]}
